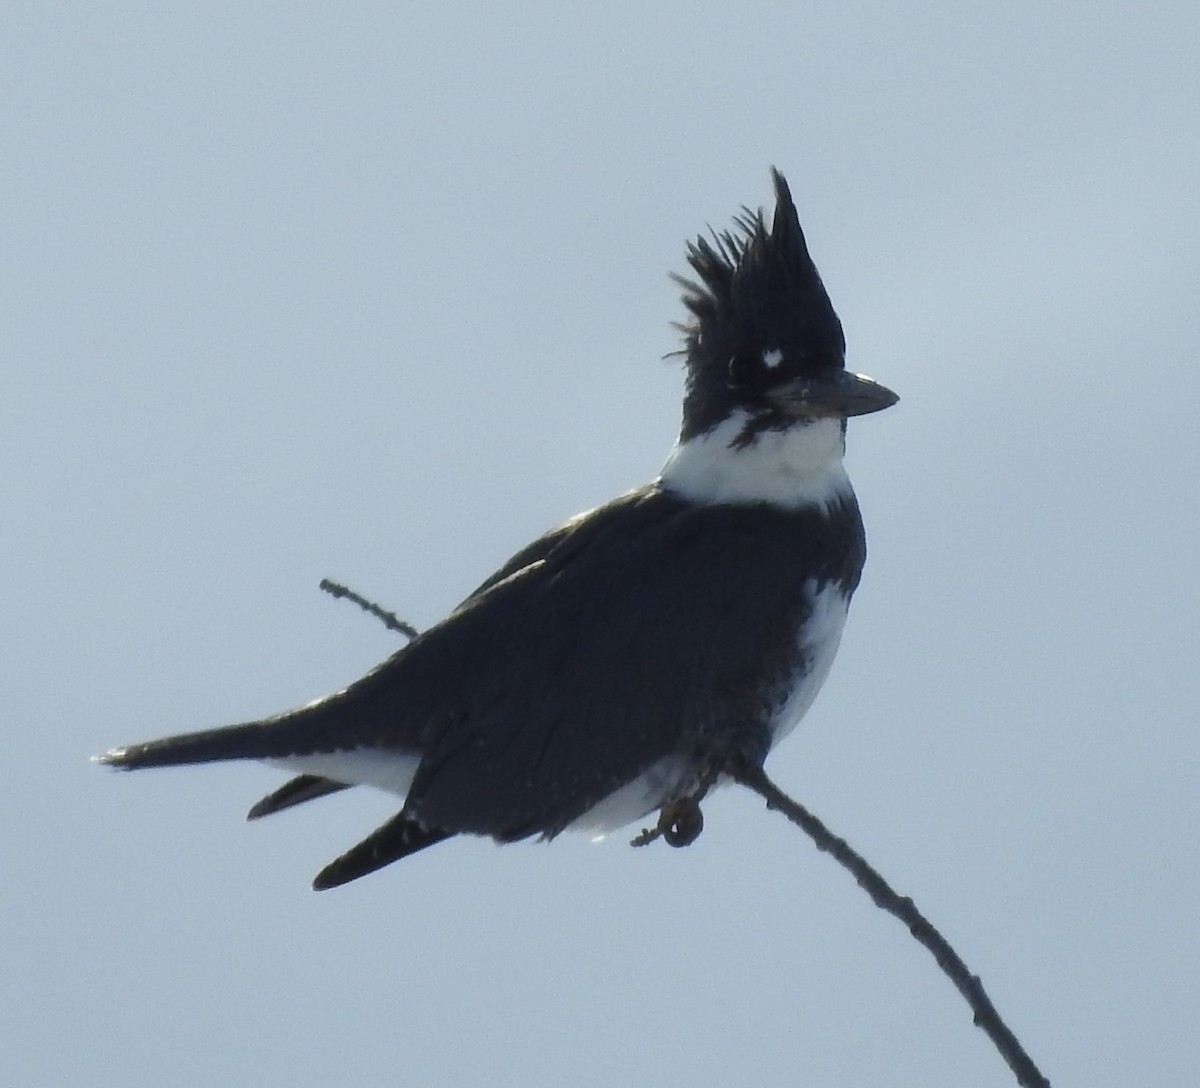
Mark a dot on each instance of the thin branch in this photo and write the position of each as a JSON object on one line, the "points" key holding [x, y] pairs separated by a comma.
{"points": [[901, 906], [681, 822], [390, 620]]}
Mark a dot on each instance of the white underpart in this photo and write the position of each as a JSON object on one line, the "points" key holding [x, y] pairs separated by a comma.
{"points": [[389, 771], [771, 358], [791, 468], [819, 639], [664, 781]]}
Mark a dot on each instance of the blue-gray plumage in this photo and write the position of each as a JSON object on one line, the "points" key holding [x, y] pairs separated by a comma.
{"points": [[616, 664]]}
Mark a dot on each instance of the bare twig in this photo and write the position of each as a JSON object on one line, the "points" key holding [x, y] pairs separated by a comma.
{"points": [[901, 906], [390, 620], [681, 822]]}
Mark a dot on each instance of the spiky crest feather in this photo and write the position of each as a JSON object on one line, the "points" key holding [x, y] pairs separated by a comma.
{"points": [[756, 291]]}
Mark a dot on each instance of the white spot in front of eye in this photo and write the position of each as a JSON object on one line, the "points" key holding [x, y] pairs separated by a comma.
{"points": [[771, 358]]}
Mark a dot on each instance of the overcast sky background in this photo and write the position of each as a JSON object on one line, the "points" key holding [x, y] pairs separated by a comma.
{"points": [[379, 293]]}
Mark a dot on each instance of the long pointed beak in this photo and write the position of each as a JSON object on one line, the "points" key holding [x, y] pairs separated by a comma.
{"points": [[840, 394]]}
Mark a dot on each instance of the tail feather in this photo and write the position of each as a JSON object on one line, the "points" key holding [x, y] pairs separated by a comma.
{"points": [[396, 839], [254, 740], [335, 723], [304, 787]]}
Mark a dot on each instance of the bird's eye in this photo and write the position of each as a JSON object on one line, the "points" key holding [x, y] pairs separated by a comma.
{"points": [[741, 370]]}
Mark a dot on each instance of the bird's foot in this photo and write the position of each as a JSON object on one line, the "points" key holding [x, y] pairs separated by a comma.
{"points": [[679, 823]]}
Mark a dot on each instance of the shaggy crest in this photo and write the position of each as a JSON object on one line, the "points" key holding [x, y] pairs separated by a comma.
{"points": [[757, 301]]}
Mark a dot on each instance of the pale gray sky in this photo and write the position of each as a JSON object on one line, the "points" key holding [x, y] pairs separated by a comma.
{"points": [[378, 293]]}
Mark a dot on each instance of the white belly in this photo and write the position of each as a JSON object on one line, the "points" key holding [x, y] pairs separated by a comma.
{"points": [[819, 639]]}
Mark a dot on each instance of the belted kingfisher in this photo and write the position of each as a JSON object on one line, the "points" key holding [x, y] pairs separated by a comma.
{"points": [[618, 663]]}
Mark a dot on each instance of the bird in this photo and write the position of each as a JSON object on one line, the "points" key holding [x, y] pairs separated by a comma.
{"points": [[625, 661]]}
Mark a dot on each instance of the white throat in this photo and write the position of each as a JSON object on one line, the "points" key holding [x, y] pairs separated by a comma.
{"points": [[792, 468]]}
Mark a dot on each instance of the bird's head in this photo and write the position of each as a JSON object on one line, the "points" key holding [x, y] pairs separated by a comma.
{"points": [[764, 344]]}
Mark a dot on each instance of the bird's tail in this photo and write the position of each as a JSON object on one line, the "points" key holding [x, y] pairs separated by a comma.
{"points": [[324, 726]]}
